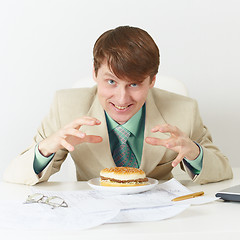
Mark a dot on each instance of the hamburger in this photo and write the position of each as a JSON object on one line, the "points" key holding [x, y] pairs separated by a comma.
{"points": [[123, 177]]}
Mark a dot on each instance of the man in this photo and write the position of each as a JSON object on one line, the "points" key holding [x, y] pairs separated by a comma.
{"points": [[122, 121]]}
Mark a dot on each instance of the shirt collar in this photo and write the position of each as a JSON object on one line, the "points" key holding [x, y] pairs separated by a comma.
{"points": [[131, 125]]}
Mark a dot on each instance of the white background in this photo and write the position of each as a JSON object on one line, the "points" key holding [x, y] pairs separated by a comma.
{"points": [[46, 45]]}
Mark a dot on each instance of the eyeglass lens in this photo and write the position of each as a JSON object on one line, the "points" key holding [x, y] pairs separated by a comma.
{"points": [[53, 201]]}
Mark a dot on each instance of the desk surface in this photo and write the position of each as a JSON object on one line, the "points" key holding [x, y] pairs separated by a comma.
{"points": [[219, 220]]}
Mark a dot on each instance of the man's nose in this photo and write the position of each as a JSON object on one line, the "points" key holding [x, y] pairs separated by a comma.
{"points": [[122, 95]]}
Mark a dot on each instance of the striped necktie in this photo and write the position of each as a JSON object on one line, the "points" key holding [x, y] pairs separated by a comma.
{"points": [[122, 154]]}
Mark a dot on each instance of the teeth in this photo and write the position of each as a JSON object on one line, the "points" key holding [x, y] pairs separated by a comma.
{"points": [[120, 108]]}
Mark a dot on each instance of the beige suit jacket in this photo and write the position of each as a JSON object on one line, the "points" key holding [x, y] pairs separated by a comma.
{"points": [[161, 107]]}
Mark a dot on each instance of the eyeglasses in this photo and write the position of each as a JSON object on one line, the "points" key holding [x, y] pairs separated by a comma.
{"points": [[52, 201]]}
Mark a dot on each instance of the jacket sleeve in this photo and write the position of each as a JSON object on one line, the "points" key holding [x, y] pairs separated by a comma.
{"points": [[21, 169], [215, 166]]}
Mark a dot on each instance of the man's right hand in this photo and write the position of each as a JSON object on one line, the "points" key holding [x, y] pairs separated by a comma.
{"points": [[69, 136]]}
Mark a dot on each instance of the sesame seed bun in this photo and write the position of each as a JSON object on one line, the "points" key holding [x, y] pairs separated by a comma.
{"points": [[123, 177]]}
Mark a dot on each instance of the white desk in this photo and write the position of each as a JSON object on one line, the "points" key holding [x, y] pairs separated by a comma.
{"points": [[217, 220]]}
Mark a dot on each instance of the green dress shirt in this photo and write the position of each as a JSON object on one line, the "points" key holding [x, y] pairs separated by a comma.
{"points": [[135, 125]]}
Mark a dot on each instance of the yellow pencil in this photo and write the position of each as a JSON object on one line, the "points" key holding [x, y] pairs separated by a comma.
{"points": [[192, 195]]}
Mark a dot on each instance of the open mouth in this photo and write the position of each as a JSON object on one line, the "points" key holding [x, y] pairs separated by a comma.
{"points": [[121, 107]]}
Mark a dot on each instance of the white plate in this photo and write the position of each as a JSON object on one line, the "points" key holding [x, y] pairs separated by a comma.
{"points": [[95, 184]]}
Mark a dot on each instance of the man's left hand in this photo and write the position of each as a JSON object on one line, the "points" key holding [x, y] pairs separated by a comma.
{"points": [[178, 142]]}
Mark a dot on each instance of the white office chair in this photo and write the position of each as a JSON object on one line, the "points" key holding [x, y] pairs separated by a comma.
{"points": [[171, 84], [68, 172]]}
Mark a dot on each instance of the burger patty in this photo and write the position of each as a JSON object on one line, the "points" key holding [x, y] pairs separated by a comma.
{"points": [[125, 181]]}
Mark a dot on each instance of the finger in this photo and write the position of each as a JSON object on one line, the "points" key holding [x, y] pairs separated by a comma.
{"points": [[92, 139], [72, 132], [167, 128], [172, 142], [66, 145], [92, 119], [177, 160], [156, 141], [83, 121]]}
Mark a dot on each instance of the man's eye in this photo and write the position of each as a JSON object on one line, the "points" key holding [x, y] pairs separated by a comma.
{"points": [[111, 82], [133, 85]]}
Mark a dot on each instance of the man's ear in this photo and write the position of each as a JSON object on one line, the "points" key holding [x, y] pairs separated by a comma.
{"points": [[94, 74], [153, 82]]}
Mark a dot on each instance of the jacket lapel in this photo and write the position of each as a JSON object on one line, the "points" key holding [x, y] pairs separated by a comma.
{"points": [[152, 154], [101, 150]]}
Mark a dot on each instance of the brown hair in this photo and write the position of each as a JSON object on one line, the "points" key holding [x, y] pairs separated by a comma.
{"points": [[130, 52]]}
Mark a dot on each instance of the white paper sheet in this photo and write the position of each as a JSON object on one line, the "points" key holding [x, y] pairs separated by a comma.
{"points": [[90, 208], [148, 214], [16, 215]]}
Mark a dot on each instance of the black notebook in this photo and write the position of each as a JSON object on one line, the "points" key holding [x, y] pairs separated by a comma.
{"points": [[230, 194]]}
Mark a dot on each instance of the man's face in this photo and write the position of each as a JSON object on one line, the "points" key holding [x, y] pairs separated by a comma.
{"points": [[119, 98]]}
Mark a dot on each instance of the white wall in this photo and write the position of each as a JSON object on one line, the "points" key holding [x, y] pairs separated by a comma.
{"points": [[47, 45]]}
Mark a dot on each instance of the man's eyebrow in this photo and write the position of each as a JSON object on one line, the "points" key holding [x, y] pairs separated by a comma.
{"points": [[108, 74]]}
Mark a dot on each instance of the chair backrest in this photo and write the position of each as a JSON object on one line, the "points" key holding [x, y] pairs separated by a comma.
{"points": [[163, 82], [171, 84]]}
